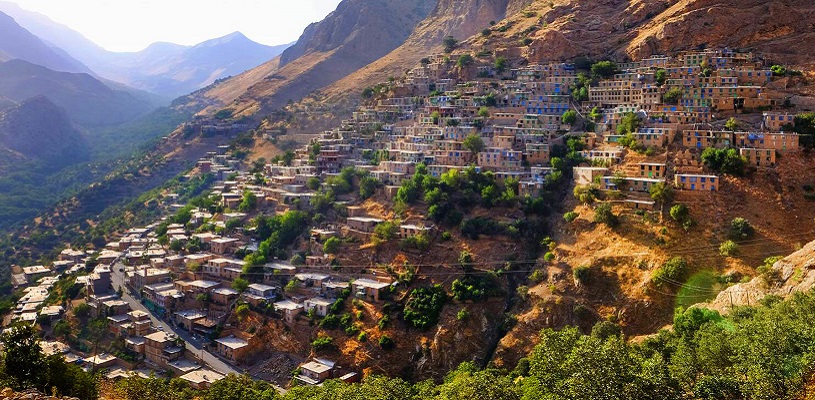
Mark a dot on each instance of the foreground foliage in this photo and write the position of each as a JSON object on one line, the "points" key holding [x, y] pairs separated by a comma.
{"points": [[761, 352]]}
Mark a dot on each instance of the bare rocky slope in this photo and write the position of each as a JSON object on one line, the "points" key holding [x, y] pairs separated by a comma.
{"points": [[351, 49]]}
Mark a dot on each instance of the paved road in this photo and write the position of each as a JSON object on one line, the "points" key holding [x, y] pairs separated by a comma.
{"points": [[117, 279]]}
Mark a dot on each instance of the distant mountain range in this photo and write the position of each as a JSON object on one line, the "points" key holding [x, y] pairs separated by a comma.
{"points": [[18, 43], [167, 69], [86, 100]]}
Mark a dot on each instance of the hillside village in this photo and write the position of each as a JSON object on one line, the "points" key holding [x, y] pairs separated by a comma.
{"points": [[186, 294]]}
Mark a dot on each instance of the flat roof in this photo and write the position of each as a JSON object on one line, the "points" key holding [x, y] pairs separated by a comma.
{"points": [[190, 314], [364, 282], [316, 367], [202, 375], [161, 336], [232, 342], [261, 287], [320, 301], [287, 305]]}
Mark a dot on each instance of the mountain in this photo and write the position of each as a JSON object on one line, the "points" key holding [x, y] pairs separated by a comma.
{"points": [[39, 129], [173, 70], [166, 69], [355, 41], [18, 43], [634, 29], [335, 57], [86, 100]]}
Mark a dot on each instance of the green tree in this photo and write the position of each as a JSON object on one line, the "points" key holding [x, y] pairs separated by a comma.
{"points": [[474, 143], [604, 69], [450, 43], [606, 329], [740, 229], [603, 214], [331, 245], [732, 124], [628, 124], [313, 183], [368, 186], [672, 272], [660, 76], [22, 356], [424, 306], [501, 64], [240, 285], [242, 311], [672, 96], [569, 117], [729, 248], [465, 60], [661, 193]]}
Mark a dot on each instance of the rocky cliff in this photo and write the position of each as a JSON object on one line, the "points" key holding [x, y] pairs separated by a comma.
{"points": [[621, 30]]}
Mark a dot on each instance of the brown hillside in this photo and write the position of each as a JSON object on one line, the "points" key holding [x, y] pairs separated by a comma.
{"points": [[622, 259], [565, 29]]}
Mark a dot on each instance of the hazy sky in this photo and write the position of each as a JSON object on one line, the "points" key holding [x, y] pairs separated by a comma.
{"points": [[131, 25]]}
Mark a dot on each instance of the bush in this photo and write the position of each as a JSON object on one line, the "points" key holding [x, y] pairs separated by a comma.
{"points": [[473, 287], [569, 117], [729, 248], [581, 274], [672, 96], [679, 212], [462, 314], [603, 214], [446, 235], [586, 194], [672, 272], [549, 256], [740, 229], [606, 329], [424, 305], [386, 343], [331, 245], [604, 69], [322, 342], [450, 43], [727, 161], [82, 310], [570, 216]]}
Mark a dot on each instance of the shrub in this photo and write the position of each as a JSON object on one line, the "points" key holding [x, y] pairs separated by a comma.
{"points": [[549, 256], [672, 96], [606, 329], [569, 117], [424, 305], [386, 343], [604, 69], [363, 337], [673, 272], [570, 216], [727, 161], [740, 229], [322, 342], [586, 194], [729, 248], [449, 43], [679, 212], [331, 245], [473, 287], [462, 314], [603, 214], [581, 274], [446, 235]]}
